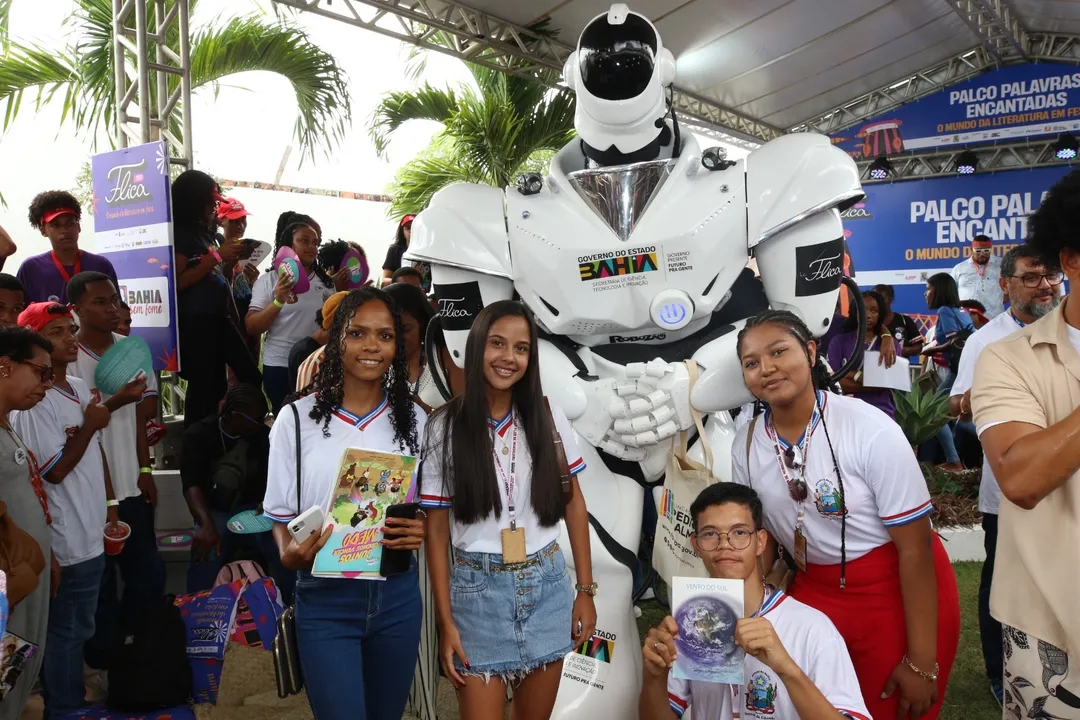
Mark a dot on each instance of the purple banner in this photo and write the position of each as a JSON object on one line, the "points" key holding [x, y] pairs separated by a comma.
{"points": [[133, 228]]}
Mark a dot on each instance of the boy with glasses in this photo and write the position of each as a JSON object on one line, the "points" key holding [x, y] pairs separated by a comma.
{"points": [[63, 432], [796, 666], [979, 277]]}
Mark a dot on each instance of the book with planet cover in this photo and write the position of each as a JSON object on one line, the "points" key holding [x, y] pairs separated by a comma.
{"points": [[367, 483], [706, 611]]}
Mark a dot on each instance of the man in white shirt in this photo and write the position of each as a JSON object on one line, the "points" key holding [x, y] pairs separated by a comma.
{"points": [[979, 277], [1032, 290], [63, 433], [797, 666], [127, 450]]}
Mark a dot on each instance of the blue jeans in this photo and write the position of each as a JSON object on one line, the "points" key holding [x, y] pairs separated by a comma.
{"points": [[142, 571], [71, 624], [358, 642], [202, 575], [276, 385]]}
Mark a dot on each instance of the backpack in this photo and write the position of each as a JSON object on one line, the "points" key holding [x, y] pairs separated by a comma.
{"points": [[246, 569], [959, 340], [148, 663]]}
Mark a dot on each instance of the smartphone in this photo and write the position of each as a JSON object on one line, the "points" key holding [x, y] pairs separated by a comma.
{"points": [[307, 524], [395, 562]]}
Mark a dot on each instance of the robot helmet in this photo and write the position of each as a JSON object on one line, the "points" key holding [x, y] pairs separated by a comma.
{"points": [[619, 72]]}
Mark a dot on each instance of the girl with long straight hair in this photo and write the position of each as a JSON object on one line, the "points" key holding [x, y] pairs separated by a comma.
{"points": [[875, 337], [845, 498], [357, 638], [494, 492]]}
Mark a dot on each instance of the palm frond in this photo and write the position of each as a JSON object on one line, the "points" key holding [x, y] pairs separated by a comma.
{"points": [[32, 68], [398, 108], [247, 44], [419, 179], [5, 15]]}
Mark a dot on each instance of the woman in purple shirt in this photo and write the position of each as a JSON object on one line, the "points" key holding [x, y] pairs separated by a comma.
{"points": [[843, 346]]}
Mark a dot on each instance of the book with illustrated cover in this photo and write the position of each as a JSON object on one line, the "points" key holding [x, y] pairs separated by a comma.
{"points": [[17, 653], [368, 483], [706, 611]]}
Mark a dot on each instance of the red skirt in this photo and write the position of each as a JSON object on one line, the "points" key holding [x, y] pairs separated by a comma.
{"points": [[869, 613]]}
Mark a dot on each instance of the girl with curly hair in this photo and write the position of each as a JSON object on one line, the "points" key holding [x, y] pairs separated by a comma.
{"points": [[283, 315], [358, 634]]}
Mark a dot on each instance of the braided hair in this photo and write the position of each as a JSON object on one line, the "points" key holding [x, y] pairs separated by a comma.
{"points": [[244, 396], [329, 382], [287, 223], [819, 375]]}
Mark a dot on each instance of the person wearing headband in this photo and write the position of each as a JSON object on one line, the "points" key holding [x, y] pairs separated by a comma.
{"points": [[57, 215], [401, 243]]}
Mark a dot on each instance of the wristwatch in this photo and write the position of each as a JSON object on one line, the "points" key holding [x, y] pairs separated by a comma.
{"points": [[590, 589]]}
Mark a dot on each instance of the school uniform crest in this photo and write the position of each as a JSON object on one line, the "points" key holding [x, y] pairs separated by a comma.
{"points": [[760, 695], [827, 499]]}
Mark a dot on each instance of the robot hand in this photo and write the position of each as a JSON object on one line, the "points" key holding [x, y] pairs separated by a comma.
{"points": [[652, 405]]}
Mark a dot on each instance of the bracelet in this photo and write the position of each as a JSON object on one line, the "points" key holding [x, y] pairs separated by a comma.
{"points": [[146, 471], [112, 503], [278, 303], [217, 256], [858, 376], [962, 397], [928, 676]]}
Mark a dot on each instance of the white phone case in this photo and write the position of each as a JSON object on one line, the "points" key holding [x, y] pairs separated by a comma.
{"points": [[307, 524]]}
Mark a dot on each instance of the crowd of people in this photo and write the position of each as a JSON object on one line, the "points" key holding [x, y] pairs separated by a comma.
{"points": [[851, 603]]}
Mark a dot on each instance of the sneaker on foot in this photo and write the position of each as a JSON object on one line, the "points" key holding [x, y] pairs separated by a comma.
{"points": [[996, 691]]}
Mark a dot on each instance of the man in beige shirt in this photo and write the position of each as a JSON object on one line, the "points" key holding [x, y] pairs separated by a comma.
{"points": [[1026, 403]]}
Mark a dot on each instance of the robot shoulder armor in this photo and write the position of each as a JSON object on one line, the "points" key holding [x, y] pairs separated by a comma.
{"points": [[463, 226], [793, 177]]}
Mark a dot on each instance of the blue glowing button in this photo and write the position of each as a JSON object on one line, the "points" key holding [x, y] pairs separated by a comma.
{"points": [[672, 309]]}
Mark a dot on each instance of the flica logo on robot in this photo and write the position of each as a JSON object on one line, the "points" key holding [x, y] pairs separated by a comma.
{"points": [[819, 268], [459, 304]]}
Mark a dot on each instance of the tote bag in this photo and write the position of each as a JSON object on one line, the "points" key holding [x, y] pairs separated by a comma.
{"points": [[673, 554]]}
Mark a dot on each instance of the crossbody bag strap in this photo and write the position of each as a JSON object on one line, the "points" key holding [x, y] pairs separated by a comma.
{"points": [[749, 442], [560, 455], [706, 449], [296, 416]]}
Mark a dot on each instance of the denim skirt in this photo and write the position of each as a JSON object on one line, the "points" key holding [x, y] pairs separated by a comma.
{"points": [[514, 618]]}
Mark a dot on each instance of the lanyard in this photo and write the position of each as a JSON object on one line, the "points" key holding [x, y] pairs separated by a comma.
{"points": [[509, 483], [35, 475], [63, 272], [1017, 320], [802, 447]]}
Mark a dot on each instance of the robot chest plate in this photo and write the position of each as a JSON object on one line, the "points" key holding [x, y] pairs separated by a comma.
{"points": [[581, 279]]}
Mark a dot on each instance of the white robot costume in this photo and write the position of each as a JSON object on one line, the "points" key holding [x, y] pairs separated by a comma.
{"points": [[632, 255]]}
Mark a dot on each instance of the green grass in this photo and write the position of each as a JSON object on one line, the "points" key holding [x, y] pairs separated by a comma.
{"points": [[968, 696]]}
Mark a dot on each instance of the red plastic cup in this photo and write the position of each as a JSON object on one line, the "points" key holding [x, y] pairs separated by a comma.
{"points": [[116, 534]]}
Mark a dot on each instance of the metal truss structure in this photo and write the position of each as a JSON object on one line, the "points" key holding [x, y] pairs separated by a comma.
{"points": [[153, 75], [996, 25], [991, 158], [454, 29]]}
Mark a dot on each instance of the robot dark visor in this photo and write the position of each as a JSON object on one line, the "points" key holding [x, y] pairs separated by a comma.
{"points": [[617, 61]]}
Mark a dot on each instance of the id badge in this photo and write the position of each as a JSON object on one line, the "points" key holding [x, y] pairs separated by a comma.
{"points": [[513, 546], [800, 549]]}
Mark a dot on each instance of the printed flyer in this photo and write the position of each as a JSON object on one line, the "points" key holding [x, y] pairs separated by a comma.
{"points": [[368, 483], [706, 611]]}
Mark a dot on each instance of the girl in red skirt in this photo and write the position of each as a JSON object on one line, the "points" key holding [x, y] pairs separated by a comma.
{"points": [[845, 498]]}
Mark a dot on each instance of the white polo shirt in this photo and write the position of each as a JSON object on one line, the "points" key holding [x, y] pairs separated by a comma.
{"points": [[77, 504], [485, 536], [812, 642], [985, 287], [119, 437], [883, 483], [295, 321], [321, 456], [999, 328]]}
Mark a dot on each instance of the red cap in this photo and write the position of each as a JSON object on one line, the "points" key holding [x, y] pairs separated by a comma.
{"points": [[231, 209], [406, 220], [53, 214], [37, 315]]}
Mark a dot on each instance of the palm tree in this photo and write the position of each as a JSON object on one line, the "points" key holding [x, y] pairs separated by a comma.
{"points": [[81, 74], [505, 126]]}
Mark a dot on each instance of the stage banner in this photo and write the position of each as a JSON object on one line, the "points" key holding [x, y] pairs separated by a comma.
{"points": [[904, 232], [133, 228], [1020, 101]]}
